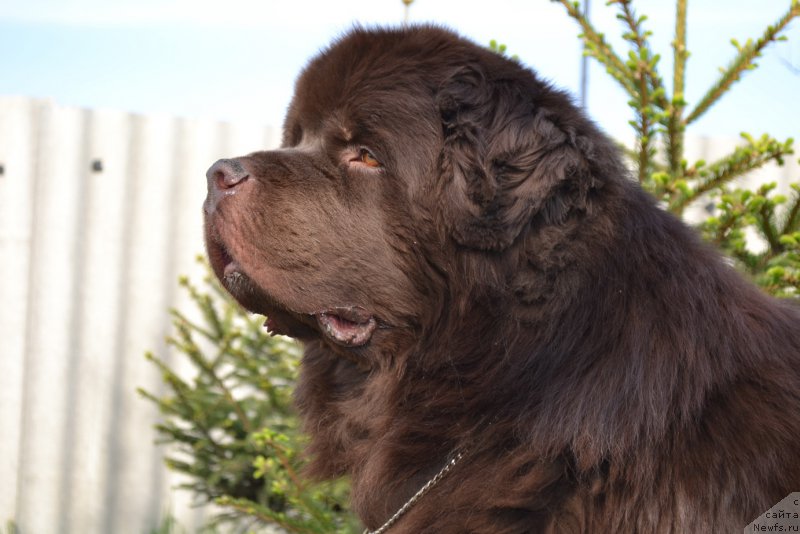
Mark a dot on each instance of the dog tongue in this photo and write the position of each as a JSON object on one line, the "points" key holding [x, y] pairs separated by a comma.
{"points": [[351, 326]]}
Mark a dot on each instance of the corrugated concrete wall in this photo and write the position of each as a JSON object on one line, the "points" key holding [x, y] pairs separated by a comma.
{"points": [[99, 214]]}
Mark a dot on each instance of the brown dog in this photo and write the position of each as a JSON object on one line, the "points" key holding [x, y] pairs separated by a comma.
{"points": [[476, 278]]}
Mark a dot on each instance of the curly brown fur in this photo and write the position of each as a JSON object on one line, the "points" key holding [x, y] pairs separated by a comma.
{"points": [[604, 370]]}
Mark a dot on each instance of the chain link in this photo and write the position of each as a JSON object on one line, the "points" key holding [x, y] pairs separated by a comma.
{"points": [[418, 495]]}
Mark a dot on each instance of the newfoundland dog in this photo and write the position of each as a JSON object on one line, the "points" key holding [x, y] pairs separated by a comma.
{"points": [[503, 333]]}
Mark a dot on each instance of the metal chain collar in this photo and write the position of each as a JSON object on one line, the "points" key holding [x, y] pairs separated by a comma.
{"points": [[419, 494]]}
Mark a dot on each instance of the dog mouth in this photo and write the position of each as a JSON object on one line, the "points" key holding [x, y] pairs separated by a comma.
{"points": [[248, 294], [350, 326], [347, 326]]}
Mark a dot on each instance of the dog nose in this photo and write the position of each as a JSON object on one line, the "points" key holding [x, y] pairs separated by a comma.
{"points": [[226, 174], [223, 178]]}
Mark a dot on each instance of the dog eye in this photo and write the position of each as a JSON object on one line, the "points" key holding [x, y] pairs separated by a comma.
{"points": [[368, 158]]}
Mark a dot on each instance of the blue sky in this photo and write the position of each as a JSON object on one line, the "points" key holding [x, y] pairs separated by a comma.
{"points": [[237, 60]]}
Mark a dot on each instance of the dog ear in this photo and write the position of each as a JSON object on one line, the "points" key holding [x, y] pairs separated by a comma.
{"points": [[510, 155]]}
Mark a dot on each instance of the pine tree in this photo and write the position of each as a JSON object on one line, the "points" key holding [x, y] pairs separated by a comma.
{"points": [[660, 120], [231, 427]]}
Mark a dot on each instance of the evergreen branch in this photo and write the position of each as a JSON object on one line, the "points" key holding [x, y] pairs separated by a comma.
{"points": [[644, 127], [188, 441], [165, 406], [766, 223], [723, 230], [643, 62], [268, 438], [174, 381], [185, 342], [642, 71], [744, 60], [792, 220], [675, 123], [185, 329], [182, 391], [636, 35], [753, 155], [264, 514], [645, 140], [290, 471], [178, 317], [204, 366], [206, 305], [596, 46], [749, 260]]}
